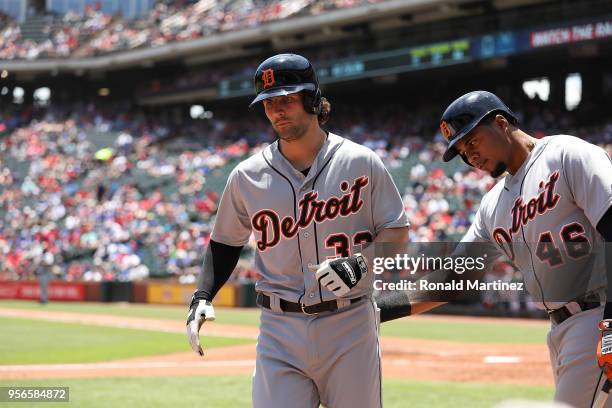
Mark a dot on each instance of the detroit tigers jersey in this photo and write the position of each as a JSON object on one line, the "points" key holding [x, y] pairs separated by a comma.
{"points": [[343, 202], [544, 219]]}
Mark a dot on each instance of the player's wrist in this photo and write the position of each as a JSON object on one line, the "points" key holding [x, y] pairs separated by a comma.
{"points": [[393, 305], [200, 295]]}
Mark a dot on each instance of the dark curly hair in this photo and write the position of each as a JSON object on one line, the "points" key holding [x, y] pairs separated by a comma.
{"points": [[325, 111]]}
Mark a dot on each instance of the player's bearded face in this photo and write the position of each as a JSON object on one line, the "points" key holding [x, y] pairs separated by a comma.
{"points": [[287, 116], [484, 149]]}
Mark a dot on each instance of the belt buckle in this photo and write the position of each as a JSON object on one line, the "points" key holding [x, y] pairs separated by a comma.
{"points": [[303, 306]]}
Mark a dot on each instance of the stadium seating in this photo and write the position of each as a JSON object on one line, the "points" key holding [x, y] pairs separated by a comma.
{"points": [[147, 209], [93, 33]]}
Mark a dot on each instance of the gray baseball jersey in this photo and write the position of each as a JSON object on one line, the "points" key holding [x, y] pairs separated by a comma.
{"points": [[346, 199], [544, 218], [343, 202]]}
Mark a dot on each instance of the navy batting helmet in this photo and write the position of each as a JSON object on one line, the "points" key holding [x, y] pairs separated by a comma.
{"points": [[465, 113], [284, 74]]}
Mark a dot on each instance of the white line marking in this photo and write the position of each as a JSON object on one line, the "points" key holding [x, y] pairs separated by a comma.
{"points": [[502, 359]]}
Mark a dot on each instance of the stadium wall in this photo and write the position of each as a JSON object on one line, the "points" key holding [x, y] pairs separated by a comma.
{"points": [[157, 292]]}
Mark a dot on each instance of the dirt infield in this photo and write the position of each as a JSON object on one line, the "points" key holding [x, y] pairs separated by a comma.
{"points": [[402, 358]]}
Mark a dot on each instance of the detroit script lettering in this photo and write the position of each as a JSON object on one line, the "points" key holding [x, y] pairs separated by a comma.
{"points": [[272, 228]]}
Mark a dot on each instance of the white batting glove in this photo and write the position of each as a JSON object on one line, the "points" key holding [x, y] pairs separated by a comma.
{"points": [[340, 275], [199, 312]]}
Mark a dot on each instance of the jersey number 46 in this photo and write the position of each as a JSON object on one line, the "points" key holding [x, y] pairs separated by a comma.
{"points": [[576, 245]]}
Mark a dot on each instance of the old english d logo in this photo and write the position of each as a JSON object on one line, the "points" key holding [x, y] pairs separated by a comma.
{"points": [[267, 76], [447, 130]]}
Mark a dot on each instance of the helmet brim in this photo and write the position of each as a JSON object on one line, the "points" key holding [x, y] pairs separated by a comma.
{"points": [[282, 91], [449, 154]]}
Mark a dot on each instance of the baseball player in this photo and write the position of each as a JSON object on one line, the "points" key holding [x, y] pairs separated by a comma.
{"points": [[313, 201], [548, 215]]}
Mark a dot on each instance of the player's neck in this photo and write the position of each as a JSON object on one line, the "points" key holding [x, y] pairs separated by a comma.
{"points": [[302, 153], [522, 145]]}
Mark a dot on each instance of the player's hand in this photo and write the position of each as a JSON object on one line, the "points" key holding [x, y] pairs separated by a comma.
{"points": [[604, 347], [200, 311], [340, 275]]}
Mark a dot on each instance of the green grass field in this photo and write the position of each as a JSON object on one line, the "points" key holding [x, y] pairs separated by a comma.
{"points": [[234, 392], [30, 341], [407, 328], [41, 342], [247, 317]]}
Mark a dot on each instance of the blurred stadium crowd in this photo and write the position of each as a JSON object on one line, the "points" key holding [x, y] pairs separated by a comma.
{"points": [[94, 33], [112, 193]]}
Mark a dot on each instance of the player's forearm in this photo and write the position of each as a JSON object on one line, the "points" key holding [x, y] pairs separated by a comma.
{"points": [[395, 305], [219, 263], [422, 307]]}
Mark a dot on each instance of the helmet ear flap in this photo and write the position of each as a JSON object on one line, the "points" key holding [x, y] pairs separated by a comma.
{"points": [[312, 102]]}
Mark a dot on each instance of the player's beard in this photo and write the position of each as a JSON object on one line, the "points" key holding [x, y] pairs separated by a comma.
{"points": [[292, 133], [500, 168]]}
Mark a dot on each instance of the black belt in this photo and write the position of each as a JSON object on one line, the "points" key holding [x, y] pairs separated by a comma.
{"points": [[327, 306], [563, 313]]}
